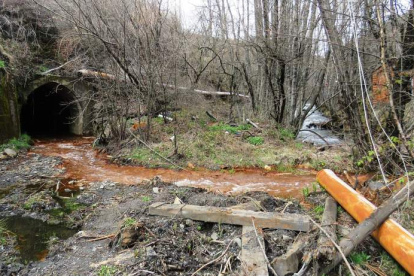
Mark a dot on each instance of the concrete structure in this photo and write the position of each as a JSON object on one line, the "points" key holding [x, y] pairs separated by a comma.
{"points": [[49, 105]]}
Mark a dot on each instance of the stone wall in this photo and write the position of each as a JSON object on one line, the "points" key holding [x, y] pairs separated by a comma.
{"points": [[9, 110]]}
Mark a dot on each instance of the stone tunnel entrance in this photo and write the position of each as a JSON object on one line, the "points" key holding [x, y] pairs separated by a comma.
{"points": [[51, 110]]}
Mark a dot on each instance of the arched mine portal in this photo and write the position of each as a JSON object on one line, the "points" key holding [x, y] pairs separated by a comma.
{"points": [[51, 110]]}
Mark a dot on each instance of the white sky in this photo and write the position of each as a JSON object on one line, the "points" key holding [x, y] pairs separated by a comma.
{"points": [[188, 9]]}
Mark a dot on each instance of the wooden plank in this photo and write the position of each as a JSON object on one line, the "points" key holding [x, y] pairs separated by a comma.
{"points": [[253, 262], [325, 245], [231, 216], [252, 259]]}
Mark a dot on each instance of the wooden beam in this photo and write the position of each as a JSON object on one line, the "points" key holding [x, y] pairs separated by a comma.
{"points": [[253, 261], [229, 216], [325, 246]]}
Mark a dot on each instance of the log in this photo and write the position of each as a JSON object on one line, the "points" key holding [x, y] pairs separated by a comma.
{"points": [[325, 246], [392, 236], [253, 124], [230, 216], [96, 74]]}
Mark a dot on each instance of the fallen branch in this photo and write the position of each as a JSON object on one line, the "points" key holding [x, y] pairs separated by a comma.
{"points": [[253, 124], [151, 149], [317, 134], [365, 228], [336, 246], [102, 238], [57, 68], [392, 236], [211, 116], [216, 259]]}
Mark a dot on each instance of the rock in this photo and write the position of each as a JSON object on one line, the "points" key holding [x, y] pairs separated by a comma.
{"points": [[189, 222], [214, 236], [267, 168], [86, 199], [11, 153], [190, 165], [156, 190], [3, 156], [376, 185], [238, 241], [150, 252]]}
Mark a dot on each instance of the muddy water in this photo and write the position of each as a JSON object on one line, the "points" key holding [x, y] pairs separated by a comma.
{"points": [[34, 235], [82, 162]]}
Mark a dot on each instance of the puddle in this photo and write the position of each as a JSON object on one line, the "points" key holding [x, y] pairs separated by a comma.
{"points": [[33, 236], [85, 164]]}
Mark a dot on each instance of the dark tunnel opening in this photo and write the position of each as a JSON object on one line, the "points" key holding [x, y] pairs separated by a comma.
{"points": [[49, 111]]}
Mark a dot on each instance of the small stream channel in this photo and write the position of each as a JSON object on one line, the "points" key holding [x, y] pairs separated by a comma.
{"points": [[83, 164]]}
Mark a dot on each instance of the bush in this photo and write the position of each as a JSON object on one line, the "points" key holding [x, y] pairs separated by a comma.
{"points": [[17, 143]]}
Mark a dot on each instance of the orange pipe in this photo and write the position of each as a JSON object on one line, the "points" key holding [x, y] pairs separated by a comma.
{"points": [[392, 236]]}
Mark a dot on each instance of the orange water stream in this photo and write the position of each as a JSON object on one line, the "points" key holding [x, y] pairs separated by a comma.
{"points": [[81, 161]]}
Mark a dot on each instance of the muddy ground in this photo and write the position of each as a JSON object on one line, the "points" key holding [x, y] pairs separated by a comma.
{"points": [[103, 228], [164, 246]]}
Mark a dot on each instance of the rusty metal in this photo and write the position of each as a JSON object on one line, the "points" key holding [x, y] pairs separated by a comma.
{"points": [[392, 236]]}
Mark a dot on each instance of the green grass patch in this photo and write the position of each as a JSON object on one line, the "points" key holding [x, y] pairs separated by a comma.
{"points": [[286, 134], [359, 258], [230, 129], [318, 211], [42, 69], [70, 205], [23, 142], [128, 222], [285, 168], [146, 198], [305, 191], [2, 64], [107, 270], [255, 140]]}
